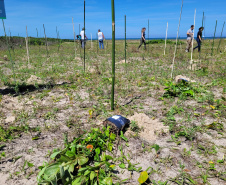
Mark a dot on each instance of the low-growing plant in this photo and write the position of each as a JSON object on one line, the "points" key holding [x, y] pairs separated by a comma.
{"points": [[82, 161], [181, 89]]}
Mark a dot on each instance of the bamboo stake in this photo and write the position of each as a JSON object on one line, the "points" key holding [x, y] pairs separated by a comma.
{"points": [[47, 53], [37, 37], [26, 39], [84, 35], [80, 42], [97, 43], [91, 41], [57, 33], [74, 35], [10, 56], [221, 37], [176, 40], [113, 54], [166, 39], [148, 34], [125, 39], [193, 40], [214, 37], [59, 42]]}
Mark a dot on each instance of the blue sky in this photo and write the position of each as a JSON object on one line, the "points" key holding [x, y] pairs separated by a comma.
{"points": [[59, 13]]}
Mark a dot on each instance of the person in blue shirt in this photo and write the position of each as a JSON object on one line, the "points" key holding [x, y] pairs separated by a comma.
{"points": [[190, 36]]}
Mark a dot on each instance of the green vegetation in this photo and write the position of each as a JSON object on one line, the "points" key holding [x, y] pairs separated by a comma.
{"points": [[54, 104]]}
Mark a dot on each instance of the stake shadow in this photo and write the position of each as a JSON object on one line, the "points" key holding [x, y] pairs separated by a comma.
{"points": [[23, 89]]}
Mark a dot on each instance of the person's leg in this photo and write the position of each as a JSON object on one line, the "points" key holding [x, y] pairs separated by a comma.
{"points": [[83, 43], [187, 47], [199, 46], [190, 44], [102, 44], [141, 42], [144, 44], [99, 44]]}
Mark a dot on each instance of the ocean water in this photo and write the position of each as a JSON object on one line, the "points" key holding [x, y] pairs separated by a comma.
{"points": [[170, 38]]}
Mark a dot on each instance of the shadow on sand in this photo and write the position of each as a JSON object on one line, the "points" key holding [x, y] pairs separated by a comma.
{"points": [[23, 89]]}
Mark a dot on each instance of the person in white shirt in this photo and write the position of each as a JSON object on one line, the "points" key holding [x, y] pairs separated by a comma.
{"points": [[83, 38], [101, 39], [190, 36]]}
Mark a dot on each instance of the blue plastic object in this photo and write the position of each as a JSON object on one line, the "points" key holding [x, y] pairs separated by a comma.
{"points": [[183, 79], [119, 121]]}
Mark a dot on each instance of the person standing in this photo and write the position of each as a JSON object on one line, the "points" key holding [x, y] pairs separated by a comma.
{"points": [[190, 36], [83, 38], [101, 39], [199, 38], [142, 40]]}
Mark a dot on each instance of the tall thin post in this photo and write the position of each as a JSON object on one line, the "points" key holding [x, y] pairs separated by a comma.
{"points": [[113, 53], [193, 40], [125, 38], [10, 56], [97, 42], [220, 37], [91, 41], [84, 35], [37, 32], [26, 39], [214, 37], [47, 53], [74, 35], [80, 42], [175, 50], [59, 42], [148, 34], [37, 37], [203, 16], [166, 39]]}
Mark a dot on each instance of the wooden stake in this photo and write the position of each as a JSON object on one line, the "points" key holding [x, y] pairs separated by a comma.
{"points": [[97, 43], [91, 41], [193, 40], [148, 34], [74, 35], [47, 53], [220, 37], [166, 39], [125, 39], [9, 51], [26, 39], [176, 40], [214, 37]]}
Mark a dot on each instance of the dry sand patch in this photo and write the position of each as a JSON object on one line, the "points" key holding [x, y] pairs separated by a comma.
{"points": [[150, 128]]}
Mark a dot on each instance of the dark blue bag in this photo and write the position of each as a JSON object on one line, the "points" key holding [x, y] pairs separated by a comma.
{"points": [[119, 121]]}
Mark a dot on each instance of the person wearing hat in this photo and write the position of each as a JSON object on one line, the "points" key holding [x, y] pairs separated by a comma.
{"points": [[199, 38], [83, 37], [190, 36], [101, 39]]}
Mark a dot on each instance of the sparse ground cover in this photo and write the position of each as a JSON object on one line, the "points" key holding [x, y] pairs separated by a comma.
{"points": [[177, 130]]}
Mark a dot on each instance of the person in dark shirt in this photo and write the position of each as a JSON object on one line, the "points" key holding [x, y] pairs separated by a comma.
{"points": [[199, 38], [142, 40]]}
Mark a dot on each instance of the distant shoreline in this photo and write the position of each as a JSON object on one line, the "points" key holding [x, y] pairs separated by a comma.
{"points": [[170, 38]]}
